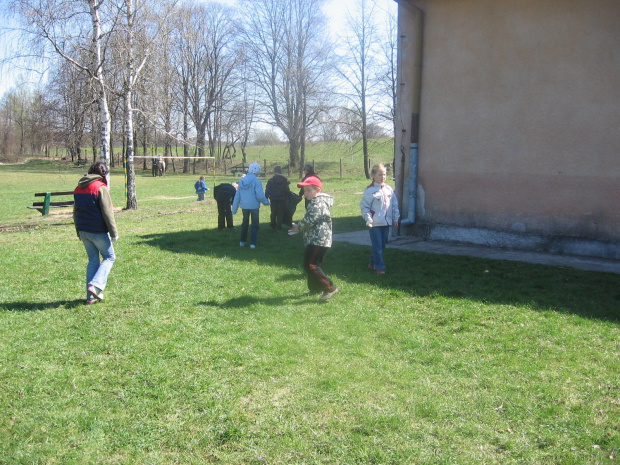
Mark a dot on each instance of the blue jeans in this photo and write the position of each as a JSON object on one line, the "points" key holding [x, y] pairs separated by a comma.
{"points": [[378, 239], [247, 214], [97, 271]]}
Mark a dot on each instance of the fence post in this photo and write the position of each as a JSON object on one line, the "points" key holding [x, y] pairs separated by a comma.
{"points": [[341, 168], [46, 203]]}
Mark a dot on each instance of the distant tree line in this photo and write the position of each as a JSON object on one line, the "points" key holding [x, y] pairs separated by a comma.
{"points": [[198, 79]]}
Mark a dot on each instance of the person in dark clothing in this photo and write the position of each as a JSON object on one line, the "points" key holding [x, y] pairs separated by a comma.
{"points": [[291, 206], [277, 191], [224, 194], [95, 226], [308, 171]]}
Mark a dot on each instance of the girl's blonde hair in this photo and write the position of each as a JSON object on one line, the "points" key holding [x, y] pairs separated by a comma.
{"points": [[377, 168]]}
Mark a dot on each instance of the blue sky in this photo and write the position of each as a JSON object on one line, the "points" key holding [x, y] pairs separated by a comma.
{"points": [[10, 74]]}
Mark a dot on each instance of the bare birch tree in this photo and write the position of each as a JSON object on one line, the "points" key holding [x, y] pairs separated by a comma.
{"points": [[73, 30], [141, 23], [130, 76], [96, 71]]}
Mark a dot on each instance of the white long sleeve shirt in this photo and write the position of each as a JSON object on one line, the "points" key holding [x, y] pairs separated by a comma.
{"points": [[379, 205]]}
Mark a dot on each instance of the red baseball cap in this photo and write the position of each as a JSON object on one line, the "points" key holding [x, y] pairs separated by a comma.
{"points": [[311, 181]]}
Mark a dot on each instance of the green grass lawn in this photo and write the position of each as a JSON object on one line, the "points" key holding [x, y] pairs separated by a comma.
{"points": [[205, 352]]}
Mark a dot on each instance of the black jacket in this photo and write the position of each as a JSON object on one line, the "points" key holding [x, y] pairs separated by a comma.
{"points": [[277, 189], [224, 192]]}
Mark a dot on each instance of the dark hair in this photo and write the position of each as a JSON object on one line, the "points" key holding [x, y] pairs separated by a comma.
{"points": [[277, 169], [99, 168], [309, 168]]}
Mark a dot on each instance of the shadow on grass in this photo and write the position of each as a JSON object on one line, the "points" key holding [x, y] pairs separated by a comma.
{"points": [[246, 301], [544, 288], [40, 306]]}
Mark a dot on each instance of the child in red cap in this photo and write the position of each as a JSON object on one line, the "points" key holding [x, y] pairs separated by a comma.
{"points": [[316, 226]]}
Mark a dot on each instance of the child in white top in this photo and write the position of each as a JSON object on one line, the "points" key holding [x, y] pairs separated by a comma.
{"points": [[379, 208]]}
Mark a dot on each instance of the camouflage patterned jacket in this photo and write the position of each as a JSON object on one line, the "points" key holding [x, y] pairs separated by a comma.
{"points": [[316, 225]]}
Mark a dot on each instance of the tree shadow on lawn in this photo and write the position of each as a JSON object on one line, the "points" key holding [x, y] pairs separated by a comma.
{"points": [[585, 293], [40, 306]]}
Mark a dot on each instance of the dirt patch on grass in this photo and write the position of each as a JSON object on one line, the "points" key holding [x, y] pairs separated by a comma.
{"points": [[163, 197], [18, 228]]}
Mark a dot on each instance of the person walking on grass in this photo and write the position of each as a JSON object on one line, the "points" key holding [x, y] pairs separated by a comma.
{"points": [[249, 196], [316, 226], [201, 188], [278, 191], [93, 215], [379, 208]]}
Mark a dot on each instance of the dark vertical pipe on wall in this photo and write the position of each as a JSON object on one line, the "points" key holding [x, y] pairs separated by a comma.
{"points": [[413, 169], [410, 80]]}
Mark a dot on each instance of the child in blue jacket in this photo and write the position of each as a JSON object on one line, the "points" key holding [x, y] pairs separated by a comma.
{"points": [[249, 196], [201, 188]]}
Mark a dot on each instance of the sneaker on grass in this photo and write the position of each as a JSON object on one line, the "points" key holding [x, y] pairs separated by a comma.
{"points": [[96, 293], [329, 295]]}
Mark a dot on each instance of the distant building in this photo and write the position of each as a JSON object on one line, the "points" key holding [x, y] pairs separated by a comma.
{"points": [[509, 117]]}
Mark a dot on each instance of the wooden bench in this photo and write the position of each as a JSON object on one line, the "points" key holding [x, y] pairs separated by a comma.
{"points": [[235, 170], [44, 207], [241, 169]]}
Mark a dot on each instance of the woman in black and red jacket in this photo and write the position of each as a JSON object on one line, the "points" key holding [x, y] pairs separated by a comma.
{"points": [[95, 225]]}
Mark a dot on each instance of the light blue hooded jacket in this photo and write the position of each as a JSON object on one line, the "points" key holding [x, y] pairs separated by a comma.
{"points": [[250, 194]]}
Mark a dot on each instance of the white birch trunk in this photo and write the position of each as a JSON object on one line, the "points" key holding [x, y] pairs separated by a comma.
{"points": [[102, 99]]}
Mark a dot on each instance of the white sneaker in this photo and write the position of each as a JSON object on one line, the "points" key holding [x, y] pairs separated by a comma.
{"points": [[329, 295], [241, 244], [252, 246], [96, 293]]}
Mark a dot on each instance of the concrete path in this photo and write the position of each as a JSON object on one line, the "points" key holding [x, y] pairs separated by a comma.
{"points": [[445, 248]]}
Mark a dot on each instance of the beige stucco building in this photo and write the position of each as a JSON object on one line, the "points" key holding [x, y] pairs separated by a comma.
{"points": [[509, 123]]}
